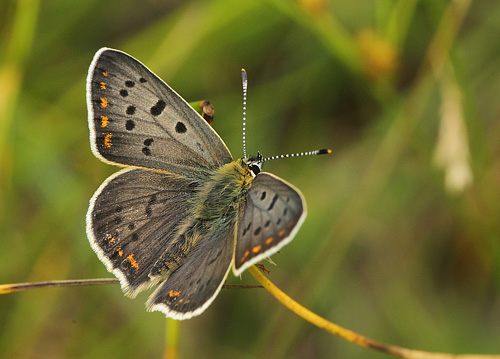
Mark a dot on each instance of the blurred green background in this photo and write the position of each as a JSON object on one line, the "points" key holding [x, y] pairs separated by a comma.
{"points": [[402, 239]]}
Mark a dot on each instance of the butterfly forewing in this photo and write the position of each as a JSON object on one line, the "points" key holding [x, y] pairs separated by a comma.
{"points": [[269, 218], [193, 287], [132, 218], [137, 119]]}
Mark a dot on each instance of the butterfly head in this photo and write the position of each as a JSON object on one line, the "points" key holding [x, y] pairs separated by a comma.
{"points": [[255, 163]]}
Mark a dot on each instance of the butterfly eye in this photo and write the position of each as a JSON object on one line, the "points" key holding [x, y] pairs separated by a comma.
{"points": [[255, 169]]}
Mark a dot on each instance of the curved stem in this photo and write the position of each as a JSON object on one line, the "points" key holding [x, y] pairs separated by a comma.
{"points": [[349, 335]]}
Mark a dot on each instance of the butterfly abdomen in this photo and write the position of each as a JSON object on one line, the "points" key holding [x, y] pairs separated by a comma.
{"points": [[174, 256]]}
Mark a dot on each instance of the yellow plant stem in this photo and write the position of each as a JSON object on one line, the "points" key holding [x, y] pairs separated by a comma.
{"points": [[172, 339], [348, 334]]}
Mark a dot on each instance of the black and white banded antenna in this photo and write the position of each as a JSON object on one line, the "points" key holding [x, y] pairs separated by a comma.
{"points": [[245, 86], [258, 161], [323, 151]]}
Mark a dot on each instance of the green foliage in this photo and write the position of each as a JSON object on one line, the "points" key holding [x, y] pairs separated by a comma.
{"points": [[402, 239]]}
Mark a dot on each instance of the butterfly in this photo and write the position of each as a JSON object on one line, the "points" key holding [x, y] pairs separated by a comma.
{"points": [[181, 213]]}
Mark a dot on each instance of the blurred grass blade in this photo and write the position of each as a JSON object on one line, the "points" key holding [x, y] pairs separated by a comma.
{"points": [[452, 148], [11, 75], [17, 50], [337, 40], [399, 20]]}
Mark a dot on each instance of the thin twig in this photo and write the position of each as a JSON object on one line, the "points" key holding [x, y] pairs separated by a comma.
{"points": [[17, 287]]}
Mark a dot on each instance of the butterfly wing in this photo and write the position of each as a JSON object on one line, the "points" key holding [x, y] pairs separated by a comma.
{"points": [[194, 286], [269, 219], [137, 119], [132, 217]]}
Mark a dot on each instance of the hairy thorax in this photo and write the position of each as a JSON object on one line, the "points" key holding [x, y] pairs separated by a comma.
{"points": [[214, 206], [223, 191]]}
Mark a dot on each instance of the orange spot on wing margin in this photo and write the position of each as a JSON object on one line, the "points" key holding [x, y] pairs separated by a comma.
{"points": [[244, 256], [107, 140], [257, 248], [104, 102], [104, 121], [133, 262], [174, 293]]}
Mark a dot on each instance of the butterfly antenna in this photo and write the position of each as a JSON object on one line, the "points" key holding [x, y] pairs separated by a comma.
{"points": [[245, 85], [324, 151]]}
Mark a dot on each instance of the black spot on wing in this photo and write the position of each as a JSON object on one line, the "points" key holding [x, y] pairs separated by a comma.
{"points": [[146, 150], [130, 125], [180, 127], [245, 230], [130, 110], [273, 202], [158, 108]]}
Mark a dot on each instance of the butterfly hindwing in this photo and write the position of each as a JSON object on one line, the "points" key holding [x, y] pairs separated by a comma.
{"points": [[132, 218], [271, 215], [137, 119], [193, 286]]}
